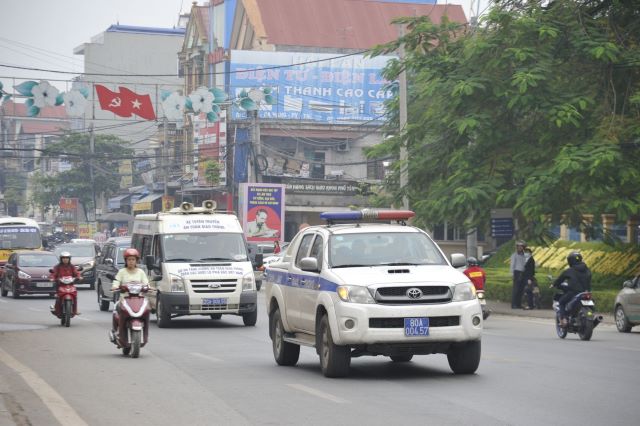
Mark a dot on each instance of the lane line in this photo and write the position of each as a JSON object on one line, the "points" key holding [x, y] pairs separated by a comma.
{"points": [[36, 310], [318, 393], [61, 410], [628, 349], [3, 301], [207, 357]]}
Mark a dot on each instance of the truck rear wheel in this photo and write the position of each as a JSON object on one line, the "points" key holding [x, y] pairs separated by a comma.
{"points": [[464, 358], [334, 359], [285, 353]]}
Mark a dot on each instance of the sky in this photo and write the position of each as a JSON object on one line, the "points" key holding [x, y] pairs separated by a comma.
{"points": [[44, 33]]}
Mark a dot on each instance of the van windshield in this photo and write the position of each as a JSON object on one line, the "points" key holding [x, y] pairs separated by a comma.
{"points": [[204, 247]]}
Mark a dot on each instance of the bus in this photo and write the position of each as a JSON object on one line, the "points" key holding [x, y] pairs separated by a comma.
{"points": [[17, 233]]}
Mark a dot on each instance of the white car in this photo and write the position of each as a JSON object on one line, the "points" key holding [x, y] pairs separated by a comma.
{"points": [[371, 289]]}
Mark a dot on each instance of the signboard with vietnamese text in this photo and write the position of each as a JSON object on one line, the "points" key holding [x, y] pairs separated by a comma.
{"points": [[262, 211], [68, 203], [322, 187]]}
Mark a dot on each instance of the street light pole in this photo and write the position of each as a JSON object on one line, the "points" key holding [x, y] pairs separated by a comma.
{"points": [[404, 158]]}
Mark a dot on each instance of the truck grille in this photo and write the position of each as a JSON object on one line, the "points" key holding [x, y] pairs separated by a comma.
{"points": [[427, 294], [449, 321], [210, 286]]}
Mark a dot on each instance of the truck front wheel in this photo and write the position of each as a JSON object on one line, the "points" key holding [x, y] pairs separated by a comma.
{"points": [[464, 358], [334, 359]]}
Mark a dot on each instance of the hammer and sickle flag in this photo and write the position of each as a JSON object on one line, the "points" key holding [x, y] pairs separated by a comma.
{"points": [[125, 103]]}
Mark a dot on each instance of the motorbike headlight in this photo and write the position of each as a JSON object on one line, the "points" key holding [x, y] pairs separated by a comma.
{"points": [[480, 295], [355, 294], [248, 282], [23, 275], [177, 283], [464, 291]]}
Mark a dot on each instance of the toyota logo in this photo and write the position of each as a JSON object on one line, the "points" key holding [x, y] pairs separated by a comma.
{"points": [[214, 285], [414, 293]]}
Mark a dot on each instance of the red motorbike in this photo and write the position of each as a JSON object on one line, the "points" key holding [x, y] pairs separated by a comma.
{"points": [[132, 319], [66, 299]]}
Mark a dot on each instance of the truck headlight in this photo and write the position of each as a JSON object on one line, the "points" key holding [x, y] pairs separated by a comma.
{"points": [[88, 265], [464, 291], [177, 283], [355, 294], [23, 275], [248, 282]]}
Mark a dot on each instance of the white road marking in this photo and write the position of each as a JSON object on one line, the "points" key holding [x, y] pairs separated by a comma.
{"points": [[3, 301], [61, 410], [628, 349], [82, 318], [36, 310], [207, 357], [318, 393]]}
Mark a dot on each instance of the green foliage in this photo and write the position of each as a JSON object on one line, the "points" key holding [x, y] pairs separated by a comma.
{"points": [[212, 172], [538, 110]]}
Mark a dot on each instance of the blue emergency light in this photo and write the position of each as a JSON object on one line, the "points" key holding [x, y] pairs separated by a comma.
{"points": [[367, 214]]}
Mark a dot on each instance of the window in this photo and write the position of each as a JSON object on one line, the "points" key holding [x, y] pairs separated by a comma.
{"points": [[316, 250], [375, 169], [304, 248]]}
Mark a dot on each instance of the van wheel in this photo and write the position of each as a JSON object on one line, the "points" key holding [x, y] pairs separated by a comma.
{"points": [[103, 304], [162, 315], [401, 358], [285, 353], [3, 289], [14, 291], [464, 358], [334, 359], [250, 319]]}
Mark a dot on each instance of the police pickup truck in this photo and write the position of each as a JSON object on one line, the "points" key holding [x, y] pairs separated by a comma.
{"points": [[352, 288]]}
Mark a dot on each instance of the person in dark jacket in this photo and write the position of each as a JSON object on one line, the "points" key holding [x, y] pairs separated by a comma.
{"points": [[64, 269], [531, 290], [574, 280]]}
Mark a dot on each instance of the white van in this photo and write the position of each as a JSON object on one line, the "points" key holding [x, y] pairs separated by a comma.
{"points": [[197, 263]]}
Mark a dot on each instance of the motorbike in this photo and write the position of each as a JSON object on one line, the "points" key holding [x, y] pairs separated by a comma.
{"points": [[135, 312], [67, 297], [483, 304], [581, 315]]}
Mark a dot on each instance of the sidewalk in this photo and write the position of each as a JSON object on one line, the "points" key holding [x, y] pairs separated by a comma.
{"points": [[504, 308]]}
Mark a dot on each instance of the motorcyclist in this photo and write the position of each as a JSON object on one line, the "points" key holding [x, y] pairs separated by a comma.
{"points": [[574, 280], [475, 273], [131, 273], [64, 269]]}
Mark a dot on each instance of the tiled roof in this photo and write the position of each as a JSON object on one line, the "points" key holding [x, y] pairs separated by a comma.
{"points": [[13, 109], [349, 24]]}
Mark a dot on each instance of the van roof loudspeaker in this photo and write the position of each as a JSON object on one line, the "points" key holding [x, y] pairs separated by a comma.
{"points": [[209, 204], [186, 207]]}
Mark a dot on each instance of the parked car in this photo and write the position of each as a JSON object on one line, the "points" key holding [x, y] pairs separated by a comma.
{"points": [[83, 255], [110, 262], [27, 272], [627, 306]]}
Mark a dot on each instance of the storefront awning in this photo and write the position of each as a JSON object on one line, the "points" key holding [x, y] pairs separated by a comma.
{"points": [[145, 203], [116, 202]]}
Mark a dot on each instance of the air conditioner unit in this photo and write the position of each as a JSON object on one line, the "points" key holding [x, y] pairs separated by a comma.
{"points": [[343, 147]]}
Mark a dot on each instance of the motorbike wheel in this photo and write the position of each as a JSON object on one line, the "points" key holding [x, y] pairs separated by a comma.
{"points": [[68, 308], [126, 351], [135, 343], [562, 331], [586, 326], [103, 304]]}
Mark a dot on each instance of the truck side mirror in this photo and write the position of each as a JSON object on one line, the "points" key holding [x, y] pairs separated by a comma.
{"points": [[309, 264], [458, 260], [628, 284], [149, 261]]}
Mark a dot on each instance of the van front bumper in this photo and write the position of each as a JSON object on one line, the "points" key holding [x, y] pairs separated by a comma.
{"points": [[183, 304]]}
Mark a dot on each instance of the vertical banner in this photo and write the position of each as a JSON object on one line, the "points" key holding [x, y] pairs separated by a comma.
{"points": [[125, 170], [167, 203], [262, 209], [210, 144]]}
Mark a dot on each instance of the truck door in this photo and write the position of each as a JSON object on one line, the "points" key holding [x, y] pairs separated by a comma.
{"points": [[296, 280], [310, 288]]}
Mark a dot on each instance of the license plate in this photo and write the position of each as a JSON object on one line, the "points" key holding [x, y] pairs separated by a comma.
{"points": [[587, 302], [44, 285], [416, 326], [217, 301]]}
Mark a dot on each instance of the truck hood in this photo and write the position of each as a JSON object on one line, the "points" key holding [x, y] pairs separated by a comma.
{"points": [[415, 274]]}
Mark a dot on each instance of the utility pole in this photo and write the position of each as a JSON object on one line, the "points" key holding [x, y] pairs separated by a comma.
{"points": [[402, 81], [163, 153], [253, 171], [92, 150]]}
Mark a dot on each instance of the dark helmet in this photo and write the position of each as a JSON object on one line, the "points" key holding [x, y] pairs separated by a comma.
{"points": [[472, 261], [131, 252], [574, 258]]}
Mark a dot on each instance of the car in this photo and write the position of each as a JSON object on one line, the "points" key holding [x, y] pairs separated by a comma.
{"points": [[83, 255], [27, 272], [627, 305], [109, 263], [352, 288]]}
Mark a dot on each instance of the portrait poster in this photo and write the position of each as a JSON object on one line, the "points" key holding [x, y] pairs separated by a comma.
{"points": [[262, 206]]}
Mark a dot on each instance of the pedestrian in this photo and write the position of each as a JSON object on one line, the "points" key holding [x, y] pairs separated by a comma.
{"points": [[276, 247], [531, 290], [516, 267]]}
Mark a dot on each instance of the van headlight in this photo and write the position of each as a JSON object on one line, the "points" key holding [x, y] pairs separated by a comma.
{"points": [[88, 265], [464, 291], [248, 282], [354, 294], [177, 283]]}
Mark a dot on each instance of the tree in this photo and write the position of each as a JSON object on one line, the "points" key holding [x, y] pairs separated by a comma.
{"points": [[76, 182], [536, 110]]}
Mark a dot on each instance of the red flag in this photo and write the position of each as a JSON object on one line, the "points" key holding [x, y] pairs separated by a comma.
{"points": [[125, 103]]}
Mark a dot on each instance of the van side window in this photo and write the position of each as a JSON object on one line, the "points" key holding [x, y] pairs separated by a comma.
{"points": [[146, 246], [136, 242], [304, 248], [157, 249], [316, 250]]}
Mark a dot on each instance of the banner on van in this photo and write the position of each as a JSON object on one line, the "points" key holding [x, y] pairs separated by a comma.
{"points": [[262, 210]]}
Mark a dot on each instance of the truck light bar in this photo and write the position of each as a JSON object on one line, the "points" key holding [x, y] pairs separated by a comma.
{"points": [[367, 214]]}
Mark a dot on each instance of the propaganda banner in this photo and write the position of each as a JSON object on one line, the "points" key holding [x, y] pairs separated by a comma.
{"points": [[262, 208]]}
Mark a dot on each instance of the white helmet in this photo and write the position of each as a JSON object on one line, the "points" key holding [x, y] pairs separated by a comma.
{"points": [[65, 254]]}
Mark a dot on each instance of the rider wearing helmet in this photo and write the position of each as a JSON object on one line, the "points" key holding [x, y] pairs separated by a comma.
{"points": [[577, 278], [131, 273], [64, 269], [475, 273]]}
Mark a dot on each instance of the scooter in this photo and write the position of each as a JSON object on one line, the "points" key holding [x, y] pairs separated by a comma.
{"points": [[134, 311], [67, 297], [483, 304], [580, 311]]}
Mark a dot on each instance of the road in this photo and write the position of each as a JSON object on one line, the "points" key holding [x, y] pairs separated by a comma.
{"points": [[208, 372]]}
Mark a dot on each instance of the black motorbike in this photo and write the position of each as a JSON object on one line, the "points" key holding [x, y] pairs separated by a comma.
{"points": [[581, 315]]}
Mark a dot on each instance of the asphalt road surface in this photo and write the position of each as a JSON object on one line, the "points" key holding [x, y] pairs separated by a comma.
{"points": [[218, 372]]}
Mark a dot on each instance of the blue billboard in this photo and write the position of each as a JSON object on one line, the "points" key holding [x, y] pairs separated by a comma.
{"points": [[312, 86]]}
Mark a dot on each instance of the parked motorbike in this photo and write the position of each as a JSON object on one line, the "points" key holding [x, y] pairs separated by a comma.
{"points": [[67, 297], [483, 304], [134, 312], [581, 315]]}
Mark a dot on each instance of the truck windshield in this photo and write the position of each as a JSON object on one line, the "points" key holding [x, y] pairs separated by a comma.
{"points": [[20, 237], [383, 248], [204, 247]]}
